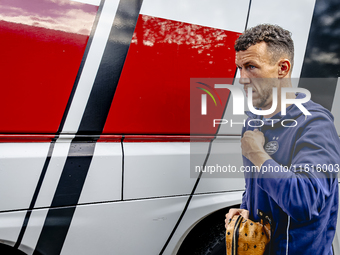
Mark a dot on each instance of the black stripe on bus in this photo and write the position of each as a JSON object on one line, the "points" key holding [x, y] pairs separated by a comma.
{"points": [[35, 194], [321, 63], [48, 158], [58, 220], [188, 201], [71, 182], [123, 167], [227, 103], [246, 26], [110, 69], [204, 164], [81, 67]]}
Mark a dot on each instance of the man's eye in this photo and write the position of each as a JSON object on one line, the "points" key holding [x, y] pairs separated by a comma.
{"points": [[251, 67]]}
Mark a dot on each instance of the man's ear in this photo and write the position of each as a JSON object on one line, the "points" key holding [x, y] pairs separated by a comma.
{"points": [[284, 67]]}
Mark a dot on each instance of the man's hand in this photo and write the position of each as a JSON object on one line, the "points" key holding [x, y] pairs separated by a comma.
{"points": [[252, 147], [235, 211]]}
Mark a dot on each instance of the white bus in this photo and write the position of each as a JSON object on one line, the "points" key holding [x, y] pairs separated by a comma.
{"points": [[97, 150]]}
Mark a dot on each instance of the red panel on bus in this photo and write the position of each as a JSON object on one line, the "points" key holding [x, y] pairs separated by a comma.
{"points": [[41, 55], [153, 94]]}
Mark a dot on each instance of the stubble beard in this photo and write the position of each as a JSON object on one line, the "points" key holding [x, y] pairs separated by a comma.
{"points": [[263, 100]]}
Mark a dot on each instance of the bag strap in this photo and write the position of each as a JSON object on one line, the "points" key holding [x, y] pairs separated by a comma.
{"points": [[265, 218], [235, 235]]}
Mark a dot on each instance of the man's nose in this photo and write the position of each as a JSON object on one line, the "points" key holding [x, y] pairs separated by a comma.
{"points": [[244, 78]]}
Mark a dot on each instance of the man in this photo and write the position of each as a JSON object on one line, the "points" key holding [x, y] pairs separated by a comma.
{"points": [[302, 198]]}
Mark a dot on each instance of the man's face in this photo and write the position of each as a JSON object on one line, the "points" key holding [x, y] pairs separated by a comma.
{"points": [[258, 72]]}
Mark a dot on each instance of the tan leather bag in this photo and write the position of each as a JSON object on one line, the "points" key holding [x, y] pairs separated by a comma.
{"points": [[244, 237]]}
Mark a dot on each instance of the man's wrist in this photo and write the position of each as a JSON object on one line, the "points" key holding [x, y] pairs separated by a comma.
{"points": [[258, 158]]}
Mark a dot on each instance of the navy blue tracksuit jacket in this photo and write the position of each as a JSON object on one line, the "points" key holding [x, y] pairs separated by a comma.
{"points": [[298, 187]]}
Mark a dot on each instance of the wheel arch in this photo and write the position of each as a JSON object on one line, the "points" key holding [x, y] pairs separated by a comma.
{"points": [[208, 230]]}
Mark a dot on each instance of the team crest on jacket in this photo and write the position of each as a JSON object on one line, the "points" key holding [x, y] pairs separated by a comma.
{"points": [[271, 147]]}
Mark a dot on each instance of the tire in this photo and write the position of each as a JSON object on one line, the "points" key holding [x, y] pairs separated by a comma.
{"points": [[207, 237]]}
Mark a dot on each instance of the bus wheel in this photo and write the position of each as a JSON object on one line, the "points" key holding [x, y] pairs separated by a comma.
{"points": [[207, 237]]}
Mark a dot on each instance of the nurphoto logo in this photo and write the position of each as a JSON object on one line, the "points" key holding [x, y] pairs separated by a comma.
{"points": [[238, 96], [204, 97], [239, 102]]}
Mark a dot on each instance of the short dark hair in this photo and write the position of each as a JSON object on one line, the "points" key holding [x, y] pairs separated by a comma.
{"points": [[278, 40]]}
